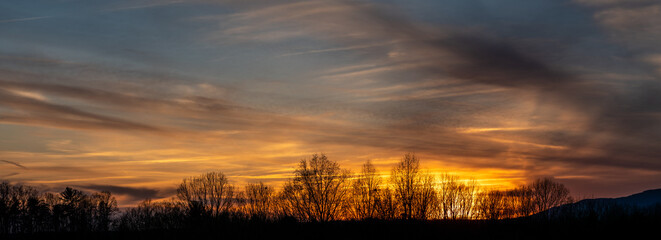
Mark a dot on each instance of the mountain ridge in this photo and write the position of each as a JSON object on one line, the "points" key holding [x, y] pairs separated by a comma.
{"points": [[645, 203], [645, 198]]}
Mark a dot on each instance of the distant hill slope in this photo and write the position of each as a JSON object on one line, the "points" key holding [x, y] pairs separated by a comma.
{"points": [[644, 199], [607, 207]]}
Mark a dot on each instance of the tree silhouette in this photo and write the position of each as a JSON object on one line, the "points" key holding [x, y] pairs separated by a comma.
{"points": [[73, 211], [105, 205], [467, 195], [425, 198], [149, 215], [414, 191], [209, 194], [259, 200], [520, 202], [547, 193], [318, 190], [16, 202], [387, 205], [365, 193], [450, 197], [490, 205], [405, 176]]}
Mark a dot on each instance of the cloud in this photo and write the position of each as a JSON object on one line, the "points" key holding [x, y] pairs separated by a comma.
{"points": [[610, 115], [13, 163], [42, 112], [142, 104], [133, 193], [375, 81], [140, 5], [22, 19], [130, 102], [610, 3]]}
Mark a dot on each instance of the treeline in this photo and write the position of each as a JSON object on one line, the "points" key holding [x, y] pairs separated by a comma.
{"points": [[320, 191], [24, 210]]}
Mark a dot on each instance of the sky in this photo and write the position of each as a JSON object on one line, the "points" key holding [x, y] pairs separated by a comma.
{"points": [[133, 96]]}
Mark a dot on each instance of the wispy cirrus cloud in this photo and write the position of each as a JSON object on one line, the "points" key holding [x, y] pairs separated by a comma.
{"points": [[13, 163], [508, 92], [617, 124], [22, 19], [132, 193], [35, 111]]}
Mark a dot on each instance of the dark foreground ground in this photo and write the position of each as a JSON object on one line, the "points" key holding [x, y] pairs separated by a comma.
{"points": [[389, 230]]}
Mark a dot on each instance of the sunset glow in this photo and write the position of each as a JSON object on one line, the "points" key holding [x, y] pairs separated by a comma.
{"points": [[134, 96]]}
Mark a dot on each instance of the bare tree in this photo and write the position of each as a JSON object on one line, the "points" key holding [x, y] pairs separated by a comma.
{"points": [[15, 202], [425, 198], [405, 176], [318, 191], [449, 197], [258, 201], [74, 210], [387, 206], [365, 193], [210, 193], [413, 190], [104, 206], [490, 205], [547, 193], [150, 215], [467, 192], [519, 202]]}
